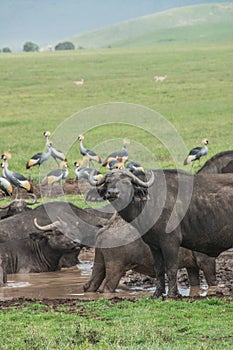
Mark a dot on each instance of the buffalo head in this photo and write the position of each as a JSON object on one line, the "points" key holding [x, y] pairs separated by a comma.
{"points": [[120, 187], [57, 236], [17, 206]]}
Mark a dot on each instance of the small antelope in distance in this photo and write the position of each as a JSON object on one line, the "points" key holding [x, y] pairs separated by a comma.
{"points": [[79, 82], [160, 78]]}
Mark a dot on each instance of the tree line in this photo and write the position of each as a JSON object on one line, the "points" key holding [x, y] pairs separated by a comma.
{"points": [[30, 46]]}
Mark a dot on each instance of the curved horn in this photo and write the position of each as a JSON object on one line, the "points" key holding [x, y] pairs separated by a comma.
{"points": [[48, 227], [140, 182], [34, 201], [7, 205], [93, 181]]}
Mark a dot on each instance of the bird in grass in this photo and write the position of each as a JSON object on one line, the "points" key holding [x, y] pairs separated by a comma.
{"points": [[88, 155], [16, 179], [118, 155], [84, 172], [39, 158], [5, 185], [55, 153], [196, 153], [56, 175], [134, 167]]}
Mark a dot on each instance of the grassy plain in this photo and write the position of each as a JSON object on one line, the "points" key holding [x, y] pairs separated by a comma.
{"points": [[144, 324], [37, 94], [198, 23]]}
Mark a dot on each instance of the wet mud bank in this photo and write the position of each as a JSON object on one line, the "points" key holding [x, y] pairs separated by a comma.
{"points": [[67, 284]]}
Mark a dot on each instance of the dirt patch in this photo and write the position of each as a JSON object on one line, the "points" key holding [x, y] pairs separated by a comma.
{"points": [[65, 306], [70, 186], [130, 280], [71, 306]]}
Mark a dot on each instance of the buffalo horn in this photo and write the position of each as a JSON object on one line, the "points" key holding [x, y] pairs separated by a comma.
{"points": [[134, 179], [48, 227], [22, 200], [140, 182], [93, 181], [34, 199], [7, 205], [11, 203]]}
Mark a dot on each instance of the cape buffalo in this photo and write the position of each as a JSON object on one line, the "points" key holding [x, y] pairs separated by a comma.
{"points": [[113, 260], [40, 252], [220, 163], [16, 206], [21, 225], [174, 209]]}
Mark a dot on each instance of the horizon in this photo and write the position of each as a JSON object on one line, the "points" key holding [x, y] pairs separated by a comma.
{"points": [[23, 20]]}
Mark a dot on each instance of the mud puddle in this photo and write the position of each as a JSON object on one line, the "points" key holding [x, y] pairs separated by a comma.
{"points": [[67, 283]]}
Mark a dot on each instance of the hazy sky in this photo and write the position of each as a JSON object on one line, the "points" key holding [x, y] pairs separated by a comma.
{"points": [[48, 21]]}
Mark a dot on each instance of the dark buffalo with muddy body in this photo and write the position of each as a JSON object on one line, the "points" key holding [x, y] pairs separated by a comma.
{"points": [[16, 206], [119, 248], [174, 209], [220, 163], [21, 225], [40, 252]]}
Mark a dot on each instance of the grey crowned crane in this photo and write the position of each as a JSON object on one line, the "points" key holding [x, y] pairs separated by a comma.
{"points": [[88, 155], [5, 185], [16, 179], [118, 155], [55, 153], [118, 163], [39, 158], [56, 175], [196, 153], [84, 172]]}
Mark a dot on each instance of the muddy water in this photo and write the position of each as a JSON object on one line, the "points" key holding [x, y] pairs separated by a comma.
{"points": [[67, 283]]}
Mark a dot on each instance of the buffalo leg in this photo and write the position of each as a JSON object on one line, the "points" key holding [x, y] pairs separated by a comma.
{"points": [[3, 274], [170, 249], [160, 273], [114, 272], [98, 273], [193, 275], [171, 270], [194, 280], [208, 265]]}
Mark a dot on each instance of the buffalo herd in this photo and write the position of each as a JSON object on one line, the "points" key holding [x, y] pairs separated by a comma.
{"points": [[156, 223]]}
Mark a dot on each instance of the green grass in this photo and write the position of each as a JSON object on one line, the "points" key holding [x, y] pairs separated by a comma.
{"points": [[142, 324], [199, 33], [37, 94], [198, 23]]}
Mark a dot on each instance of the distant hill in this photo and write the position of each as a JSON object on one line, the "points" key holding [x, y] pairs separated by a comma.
{"points": [[199, 23]]}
